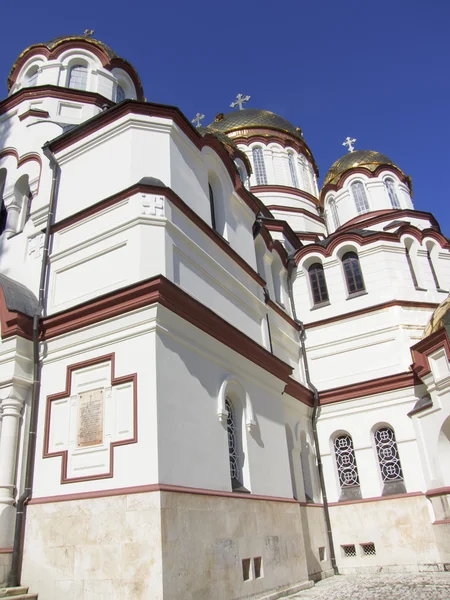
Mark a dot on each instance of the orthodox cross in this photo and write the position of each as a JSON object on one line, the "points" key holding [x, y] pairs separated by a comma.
{"points": [[240, 99], [349, 143], [197, 119], [88, 32]]}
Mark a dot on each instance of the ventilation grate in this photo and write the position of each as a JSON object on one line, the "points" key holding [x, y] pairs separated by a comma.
{"points": [[368, 549], [349, 550]]}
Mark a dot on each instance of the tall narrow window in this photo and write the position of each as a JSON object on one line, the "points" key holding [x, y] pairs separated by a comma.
{"points": [[120, 94], [392, 193], [411, 268], [346, 466], [305, 174], [433, 271], [318, 283], [360, 197], [293, 169], [260, 167], [212, 207], [32, 77], [334, 213], [233, 445], [78, 77], [353, 273], [389, 460]]}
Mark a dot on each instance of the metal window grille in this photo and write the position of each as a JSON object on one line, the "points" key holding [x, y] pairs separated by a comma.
{"points": [[233, 448], [120, 94], [388, 457], [360, 197], [306, 174], [346, 461], [293, 170], [433, 272], [369, 549], [390, 186], [334, 213], [349, 550], [353, 273], [318, 283], [260, 167], [78, 77]]}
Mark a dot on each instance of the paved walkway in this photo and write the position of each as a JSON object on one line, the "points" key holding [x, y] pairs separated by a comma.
{"points": [[408, 586]]}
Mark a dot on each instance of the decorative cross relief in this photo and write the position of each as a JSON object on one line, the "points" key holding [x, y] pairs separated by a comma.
{"points": [[35, 245], [95, 413], [240, 99], [349, 143], [154, 206]]}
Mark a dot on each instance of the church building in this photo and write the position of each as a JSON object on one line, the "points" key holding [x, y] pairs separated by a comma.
{"points": [[217, 379]]}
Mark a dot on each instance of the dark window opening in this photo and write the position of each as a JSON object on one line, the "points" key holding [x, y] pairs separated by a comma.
{"points": [[353, 273], [318, 283]]}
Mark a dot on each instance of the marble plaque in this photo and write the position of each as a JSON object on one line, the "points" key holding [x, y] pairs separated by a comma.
{"points": [[90, 418]]}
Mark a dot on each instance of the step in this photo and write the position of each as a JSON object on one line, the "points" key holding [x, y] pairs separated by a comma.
{"points": [[17, 593]]}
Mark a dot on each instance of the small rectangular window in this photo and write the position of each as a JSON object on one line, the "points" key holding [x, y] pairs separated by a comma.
{"points": [[322, 553], [368, 549], [246, 569], [257, 567], [348, 550]]}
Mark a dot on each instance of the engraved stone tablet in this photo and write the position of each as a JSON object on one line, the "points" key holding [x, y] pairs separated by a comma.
{"points": [[90, 418]]}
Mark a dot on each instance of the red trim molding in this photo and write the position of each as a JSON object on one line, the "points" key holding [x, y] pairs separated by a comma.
{"points": [[377, 499], [66, 393], [443, 491], [159, 487], [34, 112], [274, 306], [6, 550], [299, 392], [284, 189], [422, 350], [379, 216], [14, 323], [373, 308], [176, 201], [369, 388]]}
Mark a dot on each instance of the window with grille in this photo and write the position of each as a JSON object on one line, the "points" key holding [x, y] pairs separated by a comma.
{"points": [[388, 457], [353, 273], [334, 213], [392, 193], [349, 550], [346, 461], [78, 77], [360, 197], [233, 447], [120, 94], [368, 549], [293, 170], [318, 283], [259, 165]]}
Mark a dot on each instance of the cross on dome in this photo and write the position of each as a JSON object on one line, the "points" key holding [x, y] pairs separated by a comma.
{"points": [[197, 119], [240, 99], [349, 143], [88, 33]]}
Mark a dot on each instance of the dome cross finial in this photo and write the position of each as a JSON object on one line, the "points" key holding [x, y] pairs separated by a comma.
{"points": [[197, 120], [88, 33], [240, 99], [349, 143]]}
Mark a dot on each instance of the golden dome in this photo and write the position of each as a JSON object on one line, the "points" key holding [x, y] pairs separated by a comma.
{"points": [[439, 319], [369, 159], [251, 118]]}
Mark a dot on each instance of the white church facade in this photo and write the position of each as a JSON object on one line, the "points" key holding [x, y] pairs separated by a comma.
{"points": [[217, 380]]}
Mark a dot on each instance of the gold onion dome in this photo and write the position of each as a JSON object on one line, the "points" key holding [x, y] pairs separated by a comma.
{"points": [[252, 118], [439, 319], [368, 159]]}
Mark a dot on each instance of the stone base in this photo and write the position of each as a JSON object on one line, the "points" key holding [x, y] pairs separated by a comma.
{"points": [[5, 567]]}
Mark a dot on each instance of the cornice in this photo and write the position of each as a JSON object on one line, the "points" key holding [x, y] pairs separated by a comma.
{"points": [[423, 349], [284, 189], [375, 217]]}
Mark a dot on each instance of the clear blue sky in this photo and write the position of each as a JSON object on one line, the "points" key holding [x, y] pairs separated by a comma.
{"points": [[377, 71]]}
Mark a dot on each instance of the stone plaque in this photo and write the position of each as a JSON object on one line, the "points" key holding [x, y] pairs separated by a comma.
{"points": [[90, 418]]}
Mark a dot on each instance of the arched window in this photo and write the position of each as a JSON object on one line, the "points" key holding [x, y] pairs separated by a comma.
{"points": [[234, 450], [212, 207], [353, 273], [346, 466], [408, 246], [260, 167], [360, 197], [3, 211], [32, 75], [293, 169], [390, 186], [120, 94], [305, 174], [78, 77], [389, 460], [318, 283], [334, 213], [432, 269]]}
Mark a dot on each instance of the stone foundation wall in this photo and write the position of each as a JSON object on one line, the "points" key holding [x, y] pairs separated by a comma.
{"points": [[5, 567]]}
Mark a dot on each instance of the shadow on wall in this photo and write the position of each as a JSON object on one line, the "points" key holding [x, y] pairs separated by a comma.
{"points": [[5, 131]]}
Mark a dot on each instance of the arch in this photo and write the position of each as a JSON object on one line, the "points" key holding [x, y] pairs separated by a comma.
{"points": [[392, 192], [31, 76], [125, 82], [318, 283], [331, 202], [3, 212], [433, 257], [411, 247], [259, 166], [217, 209], [18, 208], [388, 460], [444, 451], [352, 272], [346, 465], [78, 75], [359, 194]]}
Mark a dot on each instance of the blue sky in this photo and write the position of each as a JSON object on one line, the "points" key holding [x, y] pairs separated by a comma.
{"points": [[379, 72]]}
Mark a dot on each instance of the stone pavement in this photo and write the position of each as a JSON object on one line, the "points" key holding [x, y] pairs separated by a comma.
{"points": [[405, 586]]}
